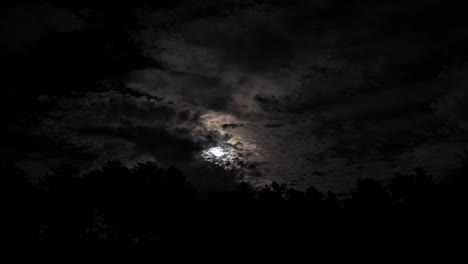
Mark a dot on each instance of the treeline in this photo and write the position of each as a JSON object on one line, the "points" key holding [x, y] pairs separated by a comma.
{"points": [[151, 207]]}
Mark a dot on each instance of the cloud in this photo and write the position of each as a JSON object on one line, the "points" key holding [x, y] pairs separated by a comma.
{"points": [[210, 92], [451, 108], [130, 128], [347, 88], [90, 119], [349, 82]]}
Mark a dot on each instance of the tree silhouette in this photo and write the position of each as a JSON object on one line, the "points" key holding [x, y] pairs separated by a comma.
{"points": [[147, 206]]}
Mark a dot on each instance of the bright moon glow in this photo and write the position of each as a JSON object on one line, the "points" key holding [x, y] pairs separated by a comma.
{"points": [[218, 152], [220, 155]]}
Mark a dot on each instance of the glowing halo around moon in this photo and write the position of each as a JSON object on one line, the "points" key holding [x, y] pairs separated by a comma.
{"points": [[218, 154], [229, 145]]}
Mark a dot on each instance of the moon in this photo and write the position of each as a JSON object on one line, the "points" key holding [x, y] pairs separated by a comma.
{"points": [[218, 152], [220, 155]]}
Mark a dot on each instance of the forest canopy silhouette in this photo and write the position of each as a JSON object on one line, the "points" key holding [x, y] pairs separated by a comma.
{"points": [[149, 207]]}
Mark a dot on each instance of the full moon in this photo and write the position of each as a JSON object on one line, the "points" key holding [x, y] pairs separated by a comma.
{"points": [[218, 152], [218, 155]]}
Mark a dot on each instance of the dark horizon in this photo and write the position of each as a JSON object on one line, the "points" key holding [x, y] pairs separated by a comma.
{"points": [[157, 210]]}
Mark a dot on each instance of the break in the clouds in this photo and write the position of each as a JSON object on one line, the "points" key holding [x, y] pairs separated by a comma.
{"points": [[302, 92]]}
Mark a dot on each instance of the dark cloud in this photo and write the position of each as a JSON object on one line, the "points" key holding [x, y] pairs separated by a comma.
{"points": [[343, 88], [206, 91], [119, 115], [154, 141], [273, 125], [226, 126], [357, 81]]}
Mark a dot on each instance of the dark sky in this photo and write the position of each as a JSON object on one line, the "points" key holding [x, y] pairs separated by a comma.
{"points": [[302, 92]]}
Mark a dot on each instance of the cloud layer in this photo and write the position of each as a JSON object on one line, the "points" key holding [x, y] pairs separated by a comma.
{"points": [[303, 92]]}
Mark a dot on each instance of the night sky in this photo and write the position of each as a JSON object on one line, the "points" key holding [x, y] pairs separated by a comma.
{"points": [[318, 92]]}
